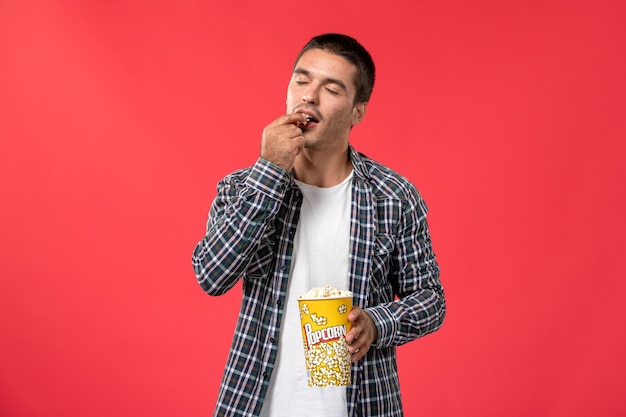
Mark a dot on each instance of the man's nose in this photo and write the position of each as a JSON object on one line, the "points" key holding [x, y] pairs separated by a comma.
{"points": [[310, 96]]}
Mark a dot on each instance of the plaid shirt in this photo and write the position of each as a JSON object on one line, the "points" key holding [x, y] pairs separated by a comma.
{"points": [[393, 274]]}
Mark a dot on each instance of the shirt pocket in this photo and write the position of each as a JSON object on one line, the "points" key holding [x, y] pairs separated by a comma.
{"points": [[384, 246]]}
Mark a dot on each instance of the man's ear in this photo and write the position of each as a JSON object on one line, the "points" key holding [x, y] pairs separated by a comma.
{"points": [[358, 113]]}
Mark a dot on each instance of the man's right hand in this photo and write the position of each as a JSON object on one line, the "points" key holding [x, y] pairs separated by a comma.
{"points": [[283, 140]]}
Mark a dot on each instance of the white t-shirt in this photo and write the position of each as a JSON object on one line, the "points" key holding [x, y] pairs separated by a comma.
{"points": [[320, 257]]}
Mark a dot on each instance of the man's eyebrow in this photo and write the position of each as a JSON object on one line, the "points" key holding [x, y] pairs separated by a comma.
{"points": [[301, 71], [307, 73]]}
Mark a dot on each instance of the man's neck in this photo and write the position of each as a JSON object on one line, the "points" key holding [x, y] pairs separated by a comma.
{"points": [[322, 169]]}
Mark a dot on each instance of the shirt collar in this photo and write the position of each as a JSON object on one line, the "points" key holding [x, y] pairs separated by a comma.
{"points": [[358, 164]]}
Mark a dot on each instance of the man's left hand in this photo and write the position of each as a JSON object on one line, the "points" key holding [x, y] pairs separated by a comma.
{"points": [[362, 335]]}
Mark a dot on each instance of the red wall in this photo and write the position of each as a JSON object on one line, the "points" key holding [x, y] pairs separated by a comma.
{"points": [[118, 118]]}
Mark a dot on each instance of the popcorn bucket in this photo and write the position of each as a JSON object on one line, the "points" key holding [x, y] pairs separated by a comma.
{"points": [[324, 327]]}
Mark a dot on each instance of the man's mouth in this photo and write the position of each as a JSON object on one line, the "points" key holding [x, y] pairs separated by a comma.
{"points": [[310, 118], [308, 123]]}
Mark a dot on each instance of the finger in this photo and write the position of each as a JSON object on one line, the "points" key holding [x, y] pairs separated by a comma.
{"points": [[284, 131], [359, 339], [353, 334], [354, 314], [289, 119], [353, 317], [358, 348], [358, 351], [357, 356], [355, 346], [294, 131]]}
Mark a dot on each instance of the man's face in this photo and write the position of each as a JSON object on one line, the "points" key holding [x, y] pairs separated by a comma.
{"points": [[326, 81]]}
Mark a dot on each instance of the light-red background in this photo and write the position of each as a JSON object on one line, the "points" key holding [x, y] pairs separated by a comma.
{"points": [[117, 118]]}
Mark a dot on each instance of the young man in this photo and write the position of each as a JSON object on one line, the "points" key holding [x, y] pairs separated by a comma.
{"points": [[311, 212]]}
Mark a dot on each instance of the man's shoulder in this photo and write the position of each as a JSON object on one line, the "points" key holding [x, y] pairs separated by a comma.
{"points": [[383, 179]]}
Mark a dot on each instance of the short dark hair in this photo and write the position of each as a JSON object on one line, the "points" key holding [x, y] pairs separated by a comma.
{"points": [[348, 48]]}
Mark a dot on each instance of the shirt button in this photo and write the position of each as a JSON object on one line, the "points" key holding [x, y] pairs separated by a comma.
{"points": [[283, 267], [272, 340], [265, 375]]}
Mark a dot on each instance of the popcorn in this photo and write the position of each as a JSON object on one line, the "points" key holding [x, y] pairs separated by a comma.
{"points": [[323, 314], [330, 364], [326, 291]]}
